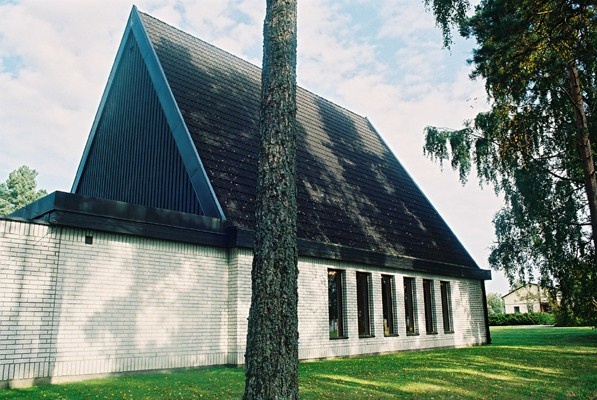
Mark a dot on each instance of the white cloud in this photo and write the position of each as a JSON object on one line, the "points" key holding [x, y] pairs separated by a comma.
{"points": [[404, 19], [329, 51], [47, 106], [233, 25]]}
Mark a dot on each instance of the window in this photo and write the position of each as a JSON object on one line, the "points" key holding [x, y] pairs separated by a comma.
{"points": [[336, 303], [516, 309], [446, 306], [363, 303], [387, 297], [410, 306], [429, 301]]}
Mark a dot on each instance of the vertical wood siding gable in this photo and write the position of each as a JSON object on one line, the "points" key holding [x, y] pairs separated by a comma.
{"points": [[133, 157]]}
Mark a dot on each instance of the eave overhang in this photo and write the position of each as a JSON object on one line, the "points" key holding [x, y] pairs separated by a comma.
{"points": [[77, 211], [309, 248]]}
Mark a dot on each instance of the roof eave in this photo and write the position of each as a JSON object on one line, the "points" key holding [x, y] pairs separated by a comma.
{"points": [[83, 212], [244, 238]]}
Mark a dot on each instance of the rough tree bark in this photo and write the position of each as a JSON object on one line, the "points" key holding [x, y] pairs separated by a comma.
{"points": [[584, 148], [271, 358]]}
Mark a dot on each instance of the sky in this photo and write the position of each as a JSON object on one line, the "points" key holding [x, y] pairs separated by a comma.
{"points": [[383, 60]]}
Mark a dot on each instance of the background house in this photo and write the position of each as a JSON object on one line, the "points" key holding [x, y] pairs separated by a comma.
{"points": [[526, 298], [146, 264]]}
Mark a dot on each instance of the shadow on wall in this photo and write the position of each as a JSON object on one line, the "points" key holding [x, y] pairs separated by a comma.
{"points": [[469, 294], [27, 304], [136, 304]]}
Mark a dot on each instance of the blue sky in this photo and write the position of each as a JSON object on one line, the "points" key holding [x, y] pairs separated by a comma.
{"points": [[383, 60]]}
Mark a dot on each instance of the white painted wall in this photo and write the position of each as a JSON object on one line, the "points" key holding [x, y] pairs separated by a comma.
{"points": [[527, 298]]}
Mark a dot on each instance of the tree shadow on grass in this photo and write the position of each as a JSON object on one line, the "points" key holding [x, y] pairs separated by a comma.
{"points": [[485, 372], [488, 372]]}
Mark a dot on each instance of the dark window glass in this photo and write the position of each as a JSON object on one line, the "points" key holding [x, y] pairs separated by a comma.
{"points": [[429, 301], [363, 283], [409, 305], [446, 306], [336, 302], [387, 297]]}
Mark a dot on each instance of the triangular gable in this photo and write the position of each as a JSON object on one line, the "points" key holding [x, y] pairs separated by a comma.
{"points": [[139, 149]]}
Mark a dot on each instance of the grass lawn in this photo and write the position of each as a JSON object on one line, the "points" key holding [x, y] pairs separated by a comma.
{"points": [[522, 363]]}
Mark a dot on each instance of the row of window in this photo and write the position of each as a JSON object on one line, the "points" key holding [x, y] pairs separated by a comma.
{"points": [[336, 281]]}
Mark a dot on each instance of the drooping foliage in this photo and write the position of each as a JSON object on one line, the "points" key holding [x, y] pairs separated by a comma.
{"points": [[535, 144], [19, 190], [448, 13]]}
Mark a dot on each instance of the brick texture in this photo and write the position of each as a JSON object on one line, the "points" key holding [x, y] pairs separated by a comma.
{"points": [[124, 303]]}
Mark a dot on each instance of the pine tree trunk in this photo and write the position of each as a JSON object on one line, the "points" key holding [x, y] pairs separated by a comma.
{"points": [[584, 149], [271, 358]]}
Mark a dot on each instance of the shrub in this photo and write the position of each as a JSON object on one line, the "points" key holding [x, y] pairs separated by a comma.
{"points": [[566, 317], [521, 319]]}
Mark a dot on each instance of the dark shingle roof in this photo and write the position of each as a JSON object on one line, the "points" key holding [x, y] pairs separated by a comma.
{"points": [[352, 191]]}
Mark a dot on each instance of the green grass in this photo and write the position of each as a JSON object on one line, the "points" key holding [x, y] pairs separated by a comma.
{"points": [[522, 363]]}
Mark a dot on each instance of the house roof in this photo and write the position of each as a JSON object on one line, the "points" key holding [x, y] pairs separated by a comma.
{"points": [[352, 191]]}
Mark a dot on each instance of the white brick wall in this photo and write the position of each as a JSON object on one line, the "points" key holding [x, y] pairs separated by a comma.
{"points": [[125, 303], [129, 303], [122, 303], [240, 302], [28, 261], [467, 306]]}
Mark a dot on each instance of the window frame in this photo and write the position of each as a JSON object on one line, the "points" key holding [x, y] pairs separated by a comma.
{"points": [[341, 331], [364, 305], [446, 296], [388, 300], [429, 304], [410, 306]]}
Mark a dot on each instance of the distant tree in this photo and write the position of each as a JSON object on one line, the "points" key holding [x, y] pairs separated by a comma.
{"points": [[536, 144], [271, 357], [495, 303], [19, 190]]}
